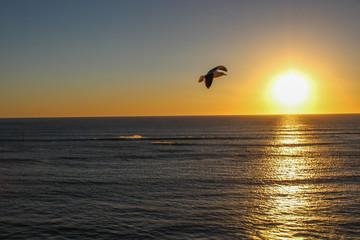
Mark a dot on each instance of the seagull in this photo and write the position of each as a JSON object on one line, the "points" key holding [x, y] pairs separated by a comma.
{"points": [[213, 73]]}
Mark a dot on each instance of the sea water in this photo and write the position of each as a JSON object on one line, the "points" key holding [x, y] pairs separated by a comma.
{"points": [[216, 177]]}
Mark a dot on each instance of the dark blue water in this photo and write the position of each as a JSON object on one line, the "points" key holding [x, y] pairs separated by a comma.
{"points": [[241, 177]]}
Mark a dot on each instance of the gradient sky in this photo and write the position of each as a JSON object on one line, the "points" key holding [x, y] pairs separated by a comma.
{"points": [[133, 58]]}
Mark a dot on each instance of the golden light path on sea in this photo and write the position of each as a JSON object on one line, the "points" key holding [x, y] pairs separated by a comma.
{"points": [[288, 204]]}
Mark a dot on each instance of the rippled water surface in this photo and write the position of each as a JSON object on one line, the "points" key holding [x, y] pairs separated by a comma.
{"points": [[240, 177]]}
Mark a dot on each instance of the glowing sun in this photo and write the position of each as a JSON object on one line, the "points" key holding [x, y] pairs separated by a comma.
{"points": [[291, 89]]}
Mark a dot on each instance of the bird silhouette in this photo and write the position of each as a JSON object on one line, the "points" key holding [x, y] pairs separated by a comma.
{"points": [[213, 73]]}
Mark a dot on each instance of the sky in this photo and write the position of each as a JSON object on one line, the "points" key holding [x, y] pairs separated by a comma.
{"points": [[84, 58]]}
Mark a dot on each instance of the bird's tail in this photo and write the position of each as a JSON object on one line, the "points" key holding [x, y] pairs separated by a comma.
{"points": [[201, 78]]}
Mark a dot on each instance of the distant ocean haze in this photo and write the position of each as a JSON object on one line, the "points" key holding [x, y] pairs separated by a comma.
{"points": [[233, 177]]}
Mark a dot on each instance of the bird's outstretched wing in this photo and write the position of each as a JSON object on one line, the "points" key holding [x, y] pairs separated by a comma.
{"points": [[208, 80], [201, 78], [220, 67]]}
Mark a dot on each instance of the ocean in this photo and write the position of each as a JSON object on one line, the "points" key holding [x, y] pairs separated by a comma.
{"points": [[206, 177]]}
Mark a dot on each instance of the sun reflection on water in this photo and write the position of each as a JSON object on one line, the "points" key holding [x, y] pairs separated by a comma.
{"points": [[286, 199]]}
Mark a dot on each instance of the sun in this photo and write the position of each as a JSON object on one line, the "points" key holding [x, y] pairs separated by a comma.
{"points": [[291, 89]]}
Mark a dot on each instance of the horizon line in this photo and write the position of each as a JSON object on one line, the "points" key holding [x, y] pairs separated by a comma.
{"points": [[194, 115]]}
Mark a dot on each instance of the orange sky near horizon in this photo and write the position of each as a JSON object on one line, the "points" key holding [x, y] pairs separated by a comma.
{"points": [[142, 60]]}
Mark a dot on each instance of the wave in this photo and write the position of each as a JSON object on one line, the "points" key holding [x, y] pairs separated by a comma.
{"points": [[170, 143], [133, 137], [123, 138], [247, 140], [139, 137]]}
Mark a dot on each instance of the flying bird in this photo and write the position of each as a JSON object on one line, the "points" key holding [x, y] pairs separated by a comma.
{"points": [[213, 73]]}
